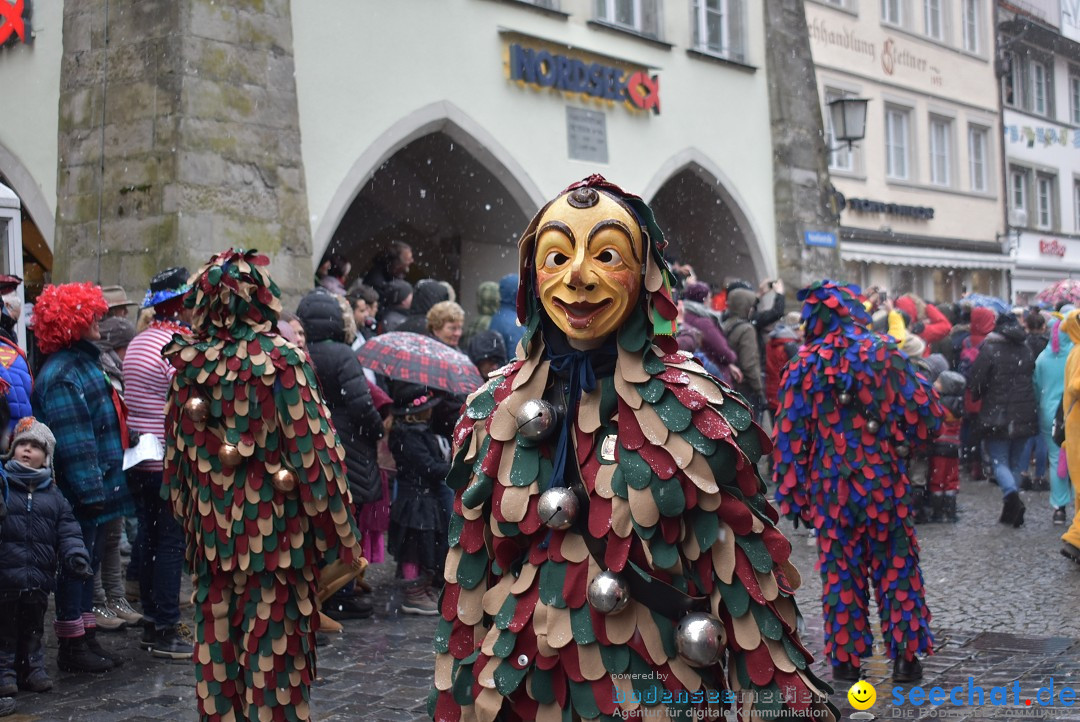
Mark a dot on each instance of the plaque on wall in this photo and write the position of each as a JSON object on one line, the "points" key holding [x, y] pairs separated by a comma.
{"points": [[586, 135]]}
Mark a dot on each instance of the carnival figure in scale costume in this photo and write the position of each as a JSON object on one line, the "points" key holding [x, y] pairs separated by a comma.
{"points": [[853, 408], [611, 547], [255, 473]]}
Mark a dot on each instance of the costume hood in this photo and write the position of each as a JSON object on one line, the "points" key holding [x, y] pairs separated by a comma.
{"points": [[233, 297], [1071, 326], [829, 306]]}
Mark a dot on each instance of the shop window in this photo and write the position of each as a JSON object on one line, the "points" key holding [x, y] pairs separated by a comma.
{"points": [[933, 21], [978, 149], [972, 10], [897, 143], [718, 27], [639, 16], [941, 151], [1044, 189]]}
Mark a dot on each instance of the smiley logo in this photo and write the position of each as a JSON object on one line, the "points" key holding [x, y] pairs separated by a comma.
{"points": [[862, 695]]}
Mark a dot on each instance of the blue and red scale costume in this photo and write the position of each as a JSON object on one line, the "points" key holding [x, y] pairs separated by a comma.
{"points": [[851, 407]]}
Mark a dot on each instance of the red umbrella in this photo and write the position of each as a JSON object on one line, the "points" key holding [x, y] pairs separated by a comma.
{"points": [[421, 360]]}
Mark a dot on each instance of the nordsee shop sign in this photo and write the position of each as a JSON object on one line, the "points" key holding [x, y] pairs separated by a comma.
{"points": [[599, 80]]}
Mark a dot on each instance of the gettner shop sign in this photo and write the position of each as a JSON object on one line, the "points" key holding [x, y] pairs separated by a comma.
{"points": [[596, 79]]}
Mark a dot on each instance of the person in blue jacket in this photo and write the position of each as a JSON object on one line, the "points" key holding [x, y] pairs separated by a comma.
{"points": [[505, 319]]}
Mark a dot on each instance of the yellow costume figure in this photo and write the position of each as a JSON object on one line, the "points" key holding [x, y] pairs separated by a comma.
{"points": [[1071, 326]]}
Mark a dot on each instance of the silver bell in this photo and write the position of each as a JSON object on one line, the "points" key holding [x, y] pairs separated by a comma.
{"points": [[902, 450], [700, 639], [558, 507], [608, 593], [844, 398], [873, 425], [536, 420]]}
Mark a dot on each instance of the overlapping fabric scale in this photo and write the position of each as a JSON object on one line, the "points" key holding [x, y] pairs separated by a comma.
{"points": [[679, 500], [254, 549], [848, 480]]}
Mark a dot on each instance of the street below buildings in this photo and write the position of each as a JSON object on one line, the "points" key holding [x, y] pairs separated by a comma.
{"points": [[1004, 605]]}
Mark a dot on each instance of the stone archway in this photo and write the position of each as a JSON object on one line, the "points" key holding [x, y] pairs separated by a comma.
{"points": [[706, 225]]}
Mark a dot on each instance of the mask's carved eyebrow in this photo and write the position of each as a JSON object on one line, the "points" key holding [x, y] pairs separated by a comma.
{"points": [[620, 226], [557, 226]]}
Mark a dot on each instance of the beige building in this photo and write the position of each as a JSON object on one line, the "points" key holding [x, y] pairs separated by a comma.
{"points": [[921, 196]]}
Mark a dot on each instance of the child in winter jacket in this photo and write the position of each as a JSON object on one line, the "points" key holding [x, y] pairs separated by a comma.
{"points": [[945, 452], [418, 518], [39, 531]]}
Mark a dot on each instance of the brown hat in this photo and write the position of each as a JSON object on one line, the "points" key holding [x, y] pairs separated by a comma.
{"points": [[116, 296]]}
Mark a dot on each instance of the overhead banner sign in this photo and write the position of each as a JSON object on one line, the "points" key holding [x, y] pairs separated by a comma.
{"points": [[580, 74]]}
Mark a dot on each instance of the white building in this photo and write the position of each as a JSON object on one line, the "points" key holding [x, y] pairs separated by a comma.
{"points": [[923, 192], [1040, 52]]}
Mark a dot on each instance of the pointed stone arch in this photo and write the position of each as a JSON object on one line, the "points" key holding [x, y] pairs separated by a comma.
{"points": [[34, 202]]}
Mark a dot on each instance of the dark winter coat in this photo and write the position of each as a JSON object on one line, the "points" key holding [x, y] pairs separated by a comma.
{"points": [[428, 293], [345, 390], [743, 338], [421, 465], [38, 533], [1001, 378]]}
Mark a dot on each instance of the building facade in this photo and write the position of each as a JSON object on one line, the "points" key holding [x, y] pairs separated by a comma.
{"points": [[1040, 62], [921, 198], [444, 123]]}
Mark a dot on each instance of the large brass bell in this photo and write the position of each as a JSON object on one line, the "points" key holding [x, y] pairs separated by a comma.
{"points": [[229, 456], [284, 480], [558, 507], [700, 639], [608, 593], [197, 409]]}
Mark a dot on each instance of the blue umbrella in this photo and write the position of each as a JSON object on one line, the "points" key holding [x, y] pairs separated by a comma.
{"points": [[978, 299]]}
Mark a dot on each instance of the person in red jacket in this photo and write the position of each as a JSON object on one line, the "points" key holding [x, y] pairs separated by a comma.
{"points": [[926, 320]]}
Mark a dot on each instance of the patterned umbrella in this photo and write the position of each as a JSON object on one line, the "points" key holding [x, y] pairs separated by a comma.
{"points": [[1067, 290], [421, 360], [993, 302]]}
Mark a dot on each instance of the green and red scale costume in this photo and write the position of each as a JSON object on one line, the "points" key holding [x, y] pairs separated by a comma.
{"points": [[667, 456], [256, 479]]}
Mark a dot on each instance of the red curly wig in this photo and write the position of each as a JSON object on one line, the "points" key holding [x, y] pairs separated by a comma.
{"points": [[63, 314]]}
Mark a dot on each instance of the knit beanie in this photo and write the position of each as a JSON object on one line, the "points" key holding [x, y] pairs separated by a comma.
{"points": [[30, 429]]}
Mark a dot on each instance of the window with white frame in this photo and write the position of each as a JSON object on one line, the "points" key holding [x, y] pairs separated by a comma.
{"points": [[843, 157], [1040, 90], [1018, 189], [940, 151], [1044, 202], [640, 16], [1012, 82], [1074, 101], [892, 11], [932, 18], [1076, 205], [897, 143], [972, 19], [978, 149], [718, 27]]}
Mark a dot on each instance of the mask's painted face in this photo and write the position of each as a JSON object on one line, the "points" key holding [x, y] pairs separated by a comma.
{"points": [[588, 264]]}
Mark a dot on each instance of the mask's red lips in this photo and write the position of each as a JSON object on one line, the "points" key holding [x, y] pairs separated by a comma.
{"points": [[582, 313]]}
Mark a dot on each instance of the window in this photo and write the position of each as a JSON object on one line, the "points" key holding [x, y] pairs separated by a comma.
{"points": [[972, 18], [892, 12], [897, 142], [1039, 90], [640, 16], [940, 151], [1074, 98], [1012, 91], [1044, 189], [932, 18], [977, 160], [1018, 191], [1076, 205], [842, 158]]}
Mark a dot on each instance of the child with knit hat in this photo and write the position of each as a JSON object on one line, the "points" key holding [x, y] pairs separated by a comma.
{"points": [[38, 532]]}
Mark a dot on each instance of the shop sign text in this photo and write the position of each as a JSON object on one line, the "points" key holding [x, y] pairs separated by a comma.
{"points": [[862, 205], [1051, 248]]}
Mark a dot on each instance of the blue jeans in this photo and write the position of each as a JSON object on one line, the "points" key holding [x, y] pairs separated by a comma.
{"points": [[1007, 456], [160, 553], [1036, 446], [75, 596]]}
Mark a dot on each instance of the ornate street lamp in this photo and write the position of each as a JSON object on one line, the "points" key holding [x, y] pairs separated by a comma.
{"points": [[848, 120]]}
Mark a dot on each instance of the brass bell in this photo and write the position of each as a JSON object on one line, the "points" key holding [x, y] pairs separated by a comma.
{"points": [[873, 425], [844, 398], [700, 639], [197, 409], [608, 593], [229, 456], [284, 480], [558, 507]]}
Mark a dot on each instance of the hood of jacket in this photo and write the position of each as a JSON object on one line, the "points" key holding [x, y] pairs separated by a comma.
{"points": [[1060, 341], [320, 314], [740, 303], [396, 293], [1012, 331], [428, 293], [487, 298], [1071, 326], [982, 321], [508, 288]]}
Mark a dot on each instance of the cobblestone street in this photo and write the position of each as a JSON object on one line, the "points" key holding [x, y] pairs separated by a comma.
{"points": [[1003, 600]]}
